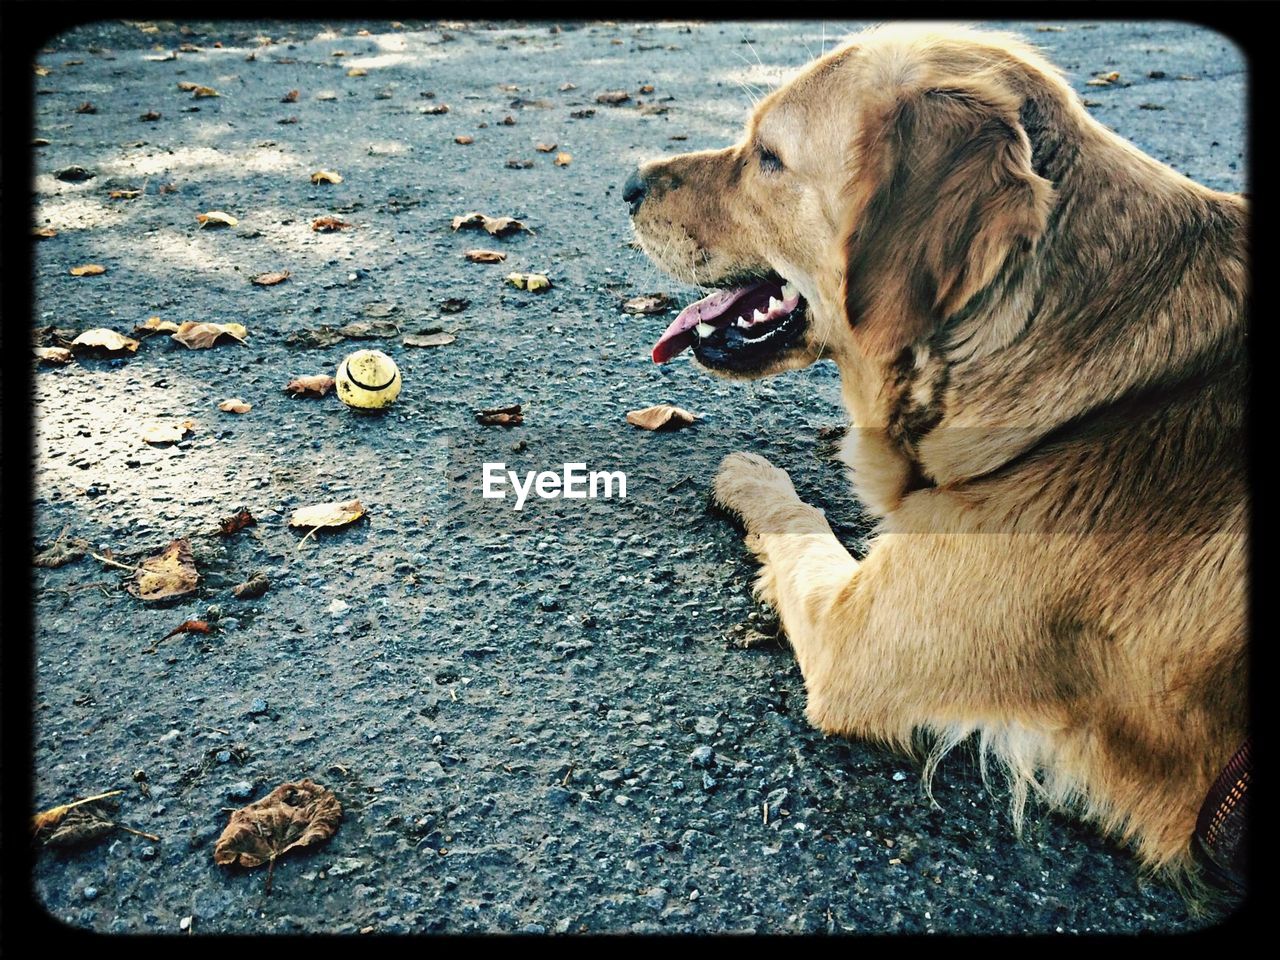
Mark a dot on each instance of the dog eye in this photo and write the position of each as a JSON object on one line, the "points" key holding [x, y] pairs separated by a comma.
{"points": [[770, 162]]}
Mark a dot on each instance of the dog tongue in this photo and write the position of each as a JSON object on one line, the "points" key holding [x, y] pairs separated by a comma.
{"points": [[679, 336]]}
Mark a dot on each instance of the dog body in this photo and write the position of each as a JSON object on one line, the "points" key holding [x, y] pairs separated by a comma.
{"points": [[1040, 335]]}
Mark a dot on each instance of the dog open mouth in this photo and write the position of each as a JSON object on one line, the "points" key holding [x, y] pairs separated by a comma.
{"points": [[738, 329]]}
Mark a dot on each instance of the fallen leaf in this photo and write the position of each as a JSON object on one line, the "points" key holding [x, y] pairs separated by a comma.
{"points": [[60, 553], [434, 109], [495, 226], [42, 71], [187, 626], [429, 339], [154, 325], [485, 256], [464, 139], [202, 336], [125, 194], [103, 340], [613, 96], [57, 355], [88, 270], [313, 386], [515, 163], [217, 218], [169, 573], [44, 233], [337, 513], [649, 304], [663, 416], [292, 815], [74, 174], [322, 336], [164, 433], [357, 72], [254, 587], [326, 176], [647, 88], [235, 405], [151, 116], [236, 522], [61, 336], [50, 818], [199, 92], [270, 279], [533, 282], [510, 416], [290, 97], [1104, 79], [563, 159], [186, 86], [86, 107], [454, 305], [369, 329], [545, 147], [328, 224]]}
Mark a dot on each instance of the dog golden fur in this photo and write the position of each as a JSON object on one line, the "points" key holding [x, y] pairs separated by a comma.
{"points": [[1040, 333]]}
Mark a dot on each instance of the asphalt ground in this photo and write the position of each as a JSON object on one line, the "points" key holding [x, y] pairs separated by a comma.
{"points": [[541, 720]]}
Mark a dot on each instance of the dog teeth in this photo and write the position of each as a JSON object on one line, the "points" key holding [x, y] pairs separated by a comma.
{"points": [[758, 316], [789, 290], [774, 304], [743, 324], [704, 330]]}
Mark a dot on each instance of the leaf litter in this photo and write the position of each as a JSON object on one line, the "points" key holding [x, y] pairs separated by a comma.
{"points": [[291, 816]]}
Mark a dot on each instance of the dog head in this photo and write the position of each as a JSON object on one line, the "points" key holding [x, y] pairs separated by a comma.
{"points": [[870, 201]]}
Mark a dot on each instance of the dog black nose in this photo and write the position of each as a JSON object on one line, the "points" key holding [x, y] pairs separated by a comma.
{"points": [[634, 190]]}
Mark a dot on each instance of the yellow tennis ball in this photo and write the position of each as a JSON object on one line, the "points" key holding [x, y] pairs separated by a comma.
{"points": [[368, 380]]}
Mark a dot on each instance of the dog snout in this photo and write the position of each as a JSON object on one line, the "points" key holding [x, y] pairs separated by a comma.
{"points": [[635, 190]]}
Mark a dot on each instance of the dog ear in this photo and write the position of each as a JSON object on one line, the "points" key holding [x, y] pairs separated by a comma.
{"points": [[943, 195]]}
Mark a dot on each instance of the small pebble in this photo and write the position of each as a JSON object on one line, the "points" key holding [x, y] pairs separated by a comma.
{"points": [[702, 756], [258, 706], [241, 790], [223, 756], [91, 893]]}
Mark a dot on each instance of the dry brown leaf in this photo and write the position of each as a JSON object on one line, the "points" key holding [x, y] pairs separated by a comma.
{"points": [[88, 270], [44, 233], [42, 71], [292, 815], [186, 86], [169, 573], [236, 522], [464, 139], [485, 256], [429, 339], [316, 386], [613, 96], [204, 92], [328, 224], [270, 279], [509, 416], [495, 226], [533, 282], [1104, 79], [124, 194], [290, 97], [154, 325], [369, 329], [321, 336], [545, 147], [326, 176], [649, 304], [50, 818], [158, 433], [235, 405], [187, 626], [563, 159], [646, 88], [216, 218], [58, 355], [103, 340], [202, 336], [60, 553], [662, 416], [357, 72], [151, 116], [337, 513], [252, 588]]}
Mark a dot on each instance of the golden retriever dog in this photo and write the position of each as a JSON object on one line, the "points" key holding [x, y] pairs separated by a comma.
{"points": [[1040, 334]]}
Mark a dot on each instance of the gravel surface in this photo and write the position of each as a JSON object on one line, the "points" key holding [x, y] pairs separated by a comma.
{"points": [[541, 720]]}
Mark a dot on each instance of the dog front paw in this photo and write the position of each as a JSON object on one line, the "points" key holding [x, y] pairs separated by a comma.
{"points": [[753, 489]]}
